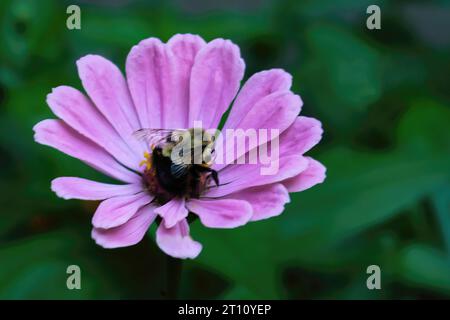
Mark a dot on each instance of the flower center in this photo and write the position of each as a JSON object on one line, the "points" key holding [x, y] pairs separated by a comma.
{"points": [[188, 181]]}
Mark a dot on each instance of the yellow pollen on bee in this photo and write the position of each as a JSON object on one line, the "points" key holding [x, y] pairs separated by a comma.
{"points": [[147, 161]]}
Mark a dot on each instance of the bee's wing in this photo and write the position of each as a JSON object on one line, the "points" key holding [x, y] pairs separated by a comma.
{"points": [[180, 161], [153, 136]]}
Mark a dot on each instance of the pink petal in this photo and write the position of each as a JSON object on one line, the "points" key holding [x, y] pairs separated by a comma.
{"points": [[301, 136], [83, 189], [315, 173], [172, 212], [108, 89], [176, 241], [77, 111], [159, 79], [275, 111], [221, 213], [116, 211], [236, 177], [56, 134], [129, 233], [267, 201], [184, 49], [259, 86], [149, 71], [216, 74]]}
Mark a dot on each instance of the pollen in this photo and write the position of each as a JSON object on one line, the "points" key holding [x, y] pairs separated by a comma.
{"points": [[147, 161]]}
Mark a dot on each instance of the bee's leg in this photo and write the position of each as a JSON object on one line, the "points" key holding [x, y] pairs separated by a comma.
{"points": [[215, 177], [214, 174]]}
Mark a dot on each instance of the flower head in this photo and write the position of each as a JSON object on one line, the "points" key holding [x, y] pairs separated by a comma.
{"points": [[168, 88]]}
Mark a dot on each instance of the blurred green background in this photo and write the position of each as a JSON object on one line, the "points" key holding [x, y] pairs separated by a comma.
{"points": [[383, 97]]}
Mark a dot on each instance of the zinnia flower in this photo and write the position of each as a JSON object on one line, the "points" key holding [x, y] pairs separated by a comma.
{"points": [[171, 85]]}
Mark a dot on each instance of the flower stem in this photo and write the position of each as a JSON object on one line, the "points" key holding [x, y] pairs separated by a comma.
{"points": [[173, 276]]}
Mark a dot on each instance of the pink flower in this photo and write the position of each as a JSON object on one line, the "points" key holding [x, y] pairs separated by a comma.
{"points": [[172, 85]]}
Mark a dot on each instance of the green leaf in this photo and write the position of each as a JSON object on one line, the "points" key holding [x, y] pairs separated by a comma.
{"points": [[35, 268], [240, 293], [423, 266], [343, 72], [425, 128], [319, 8], [242, 255], [441, 204]]}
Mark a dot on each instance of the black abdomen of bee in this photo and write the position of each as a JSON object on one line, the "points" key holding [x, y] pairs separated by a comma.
{"points": [[162, 166], [191, 184]]}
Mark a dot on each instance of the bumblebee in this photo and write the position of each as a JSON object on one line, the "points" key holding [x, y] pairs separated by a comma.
{"points": [[179, 164]]}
